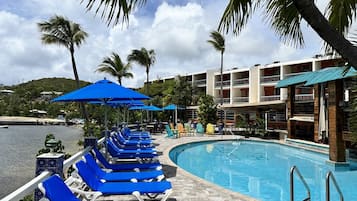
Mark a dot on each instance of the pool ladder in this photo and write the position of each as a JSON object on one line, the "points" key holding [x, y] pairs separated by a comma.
{"points": [[308, 198], [328, 177], [292, 170]]}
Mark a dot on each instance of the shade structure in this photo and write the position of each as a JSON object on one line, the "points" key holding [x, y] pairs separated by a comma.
{"points": [[145, 107], [120, 103], [103, 91], [174, 108], [319, 76]]}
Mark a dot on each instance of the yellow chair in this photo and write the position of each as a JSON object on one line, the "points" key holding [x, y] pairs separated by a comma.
{"points": [[210, 129]]}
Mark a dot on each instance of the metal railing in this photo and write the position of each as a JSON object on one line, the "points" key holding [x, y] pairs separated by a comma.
{"points": [[270, 98], [292, 171], [226, 83], [241, 81], [200, 82], [225, 100], [328, 177], [30, 186], [270, 78], [295, 74], [240, 99], [304, 97]]}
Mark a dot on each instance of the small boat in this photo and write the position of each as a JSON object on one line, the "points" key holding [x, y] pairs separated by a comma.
{"points": [[4, 126]]}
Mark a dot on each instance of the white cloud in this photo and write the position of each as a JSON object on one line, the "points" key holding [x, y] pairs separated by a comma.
{"points": [[178, 34]]}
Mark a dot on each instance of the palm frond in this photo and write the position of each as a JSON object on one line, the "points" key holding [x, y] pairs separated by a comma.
{"points": [[114, 11], [59, 30], [341, 14], [285, 20], [217, 41], [237, 14], [115, 67]]}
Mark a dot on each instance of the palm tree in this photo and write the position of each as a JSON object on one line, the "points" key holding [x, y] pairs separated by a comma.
{"points": [[61, 31], [114, 66], [217, 41], [285, 18], [145, 58]]}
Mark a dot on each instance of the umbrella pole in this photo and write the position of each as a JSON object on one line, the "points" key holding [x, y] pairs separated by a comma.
{"points": [[176, 117], [106, 131]]}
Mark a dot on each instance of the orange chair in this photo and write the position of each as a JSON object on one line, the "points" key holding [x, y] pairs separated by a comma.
{"points": [[181, 129]]}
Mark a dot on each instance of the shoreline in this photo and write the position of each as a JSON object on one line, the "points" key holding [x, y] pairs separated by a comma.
{"points": [[20, 120]]}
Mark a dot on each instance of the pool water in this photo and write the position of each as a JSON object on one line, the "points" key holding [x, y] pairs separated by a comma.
{"points": [[261, 170]]}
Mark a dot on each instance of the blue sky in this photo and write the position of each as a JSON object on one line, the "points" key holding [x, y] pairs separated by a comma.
{"points": [[176, 29]]}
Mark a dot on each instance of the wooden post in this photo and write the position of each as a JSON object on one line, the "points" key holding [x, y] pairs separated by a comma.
{"points": [[290, 110], [317, 93], [335, 118]]}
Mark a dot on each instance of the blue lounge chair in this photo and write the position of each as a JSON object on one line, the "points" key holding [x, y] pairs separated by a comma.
{"points": [[124, 141], [122, 146], [131, 149], [54, 189], [135, 135], [125, 166], [156, 175], [117, 153], [123, 188], [170, 133]]}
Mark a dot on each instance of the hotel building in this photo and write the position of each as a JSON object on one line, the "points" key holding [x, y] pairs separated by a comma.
{"points": [[252, 92]]}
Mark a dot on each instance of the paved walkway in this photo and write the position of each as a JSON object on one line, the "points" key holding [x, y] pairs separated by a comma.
{"points": [[187, 187]]}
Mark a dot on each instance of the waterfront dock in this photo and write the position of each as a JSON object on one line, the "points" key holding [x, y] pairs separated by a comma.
{"points": [[18, 120]]}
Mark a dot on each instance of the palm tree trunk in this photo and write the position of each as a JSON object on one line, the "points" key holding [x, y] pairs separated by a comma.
{"points": [[147, 80], [75, 72], [322, 27], [147, 88]]}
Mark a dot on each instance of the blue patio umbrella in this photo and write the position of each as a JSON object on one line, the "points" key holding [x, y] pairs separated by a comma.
{"points": [[103, 91], [120, 103], [145, 107], [174, 108]]}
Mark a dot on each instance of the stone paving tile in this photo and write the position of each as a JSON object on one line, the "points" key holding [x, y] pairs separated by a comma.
{"points": [[187, 187]]}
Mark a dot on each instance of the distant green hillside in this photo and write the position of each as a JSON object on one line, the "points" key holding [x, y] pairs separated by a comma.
{"points": [[35, 87], [51, 84]]}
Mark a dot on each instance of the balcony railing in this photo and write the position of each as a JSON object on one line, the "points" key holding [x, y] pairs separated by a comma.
{"points": [[242, 81], [304, 97], [240, 99], [200, 82], [225, 100], [293, 74], [270, 98], [226, 83], [270, 78]]}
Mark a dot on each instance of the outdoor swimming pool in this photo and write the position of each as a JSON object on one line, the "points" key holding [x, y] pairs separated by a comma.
{"points": [[261, 170]]}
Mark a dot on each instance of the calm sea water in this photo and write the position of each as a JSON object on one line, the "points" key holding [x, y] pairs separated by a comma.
{"points": [[19, 146]]}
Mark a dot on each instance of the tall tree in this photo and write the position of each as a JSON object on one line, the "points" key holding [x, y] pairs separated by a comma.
{"points": [[61, 31], [144, 58], [115, 67], [218, 42], [285, 17]]}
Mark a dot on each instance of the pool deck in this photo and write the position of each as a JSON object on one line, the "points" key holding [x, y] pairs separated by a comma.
{"points": [[187, 187]]}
